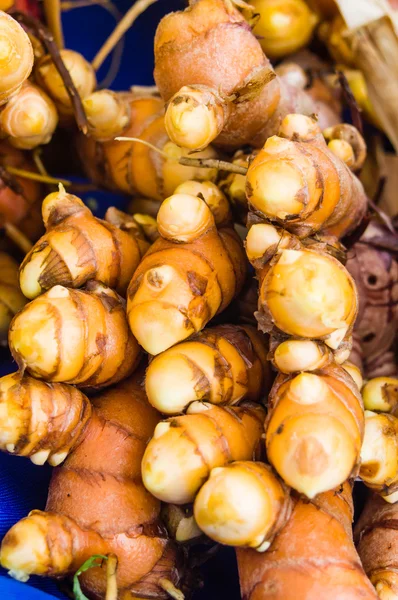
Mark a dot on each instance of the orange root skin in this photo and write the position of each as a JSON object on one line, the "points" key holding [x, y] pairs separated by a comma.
{"points": [[221, 365], [134, 168], [75, 336], [80, 518], [178, 287], [184, 449], [188, 44], [39, 420], [321, 563], [323, 194], [79, 247], [314, 440]]}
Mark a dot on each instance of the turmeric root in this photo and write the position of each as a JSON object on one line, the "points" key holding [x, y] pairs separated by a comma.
{"points": [[314, 429], [79, 247], [283, 26], [220, 365], [321, 563], [101, 472], [219, 85], [41, 421], [184, 450], [132, 167], [11, 297], [48, 77], [379, 455], [298, 182], [242, 504], [377, 543], [16, 57], [381, 394], [29, 119], [304, 291], [191, 273], [75, 336]]}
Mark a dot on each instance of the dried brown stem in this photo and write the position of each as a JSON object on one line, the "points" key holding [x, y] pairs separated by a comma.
{"points": [[48, 41], [351, 102], [124, 24], [203, 163], [52, 11], [212, 163]]}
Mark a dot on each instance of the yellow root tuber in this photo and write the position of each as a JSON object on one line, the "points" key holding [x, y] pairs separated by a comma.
{"points": [[78, 247], [297, 181], [41, 421], [75, 336], [29, 119], [48, 77], [314, 429], [192, 272], [242, 504], [220, 365], [184, 450], [16, 57]]}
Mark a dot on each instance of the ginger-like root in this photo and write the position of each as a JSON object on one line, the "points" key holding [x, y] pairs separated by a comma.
{"points": [[313, 557], [304, 291], [381, 394], [314, 429], [219, 85], [221, 365], [184, 450], [29, 119], [11, 297], [298, 182], [48, 77], [108, 114], [377, 542], [133, 167], [41, 421], [75, 336], [242, 504], [78, 247], [97, 504], [379, 455], [191, 273], [345, 141], [283, 26], [16, 57]]}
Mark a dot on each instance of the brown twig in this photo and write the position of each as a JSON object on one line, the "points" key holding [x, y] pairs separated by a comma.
{"points": [[18, 237], [52, 11], [212, 163], [48, 41], [351, 102], [186, 161], [124, 24]]}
